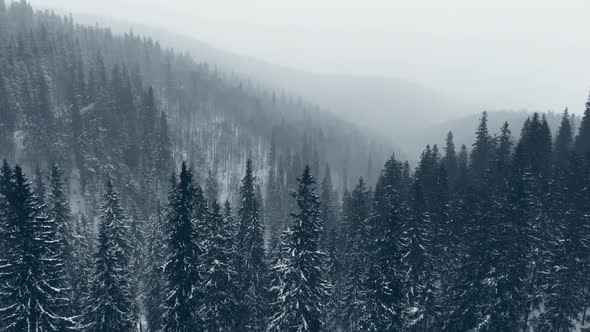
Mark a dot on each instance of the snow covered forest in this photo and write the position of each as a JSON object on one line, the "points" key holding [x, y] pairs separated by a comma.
{"points": [[141, 190]]}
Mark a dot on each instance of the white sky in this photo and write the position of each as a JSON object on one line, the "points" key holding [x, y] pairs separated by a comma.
{"points": [[531, 54]]}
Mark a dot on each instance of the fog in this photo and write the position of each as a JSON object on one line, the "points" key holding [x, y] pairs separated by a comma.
{"points": [[503, 54]]}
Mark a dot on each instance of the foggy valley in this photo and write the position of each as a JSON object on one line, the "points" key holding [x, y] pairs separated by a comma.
{"points": [[183, 166]]}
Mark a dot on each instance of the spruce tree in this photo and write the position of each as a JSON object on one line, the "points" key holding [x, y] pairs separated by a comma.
{"points": [[155, 279], [82, 262], [450, 158], [59, 211], [355, 288], [564, 141], [418, 261], [300, 285], [181, 269], [34, 296], [110, 305], [252, 292], [482, 153], [136, 256], [219, 274], [503, 153], [563, 299], [582, 144], [385, 273]]}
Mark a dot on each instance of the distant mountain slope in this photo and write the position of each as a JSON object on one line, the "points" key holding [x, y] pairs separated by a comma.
{"points": [[79, 94], [390, 106]]}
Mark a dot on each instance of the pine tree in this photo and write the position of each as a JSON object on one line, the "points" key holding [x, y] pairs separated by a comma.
{"points": [[537, 147], [582, 144], [155, 282], [33, 295], [181, 267], [110, 304], [331, 243], [82, 262], [562, 297], [59, 211], [450, 158], [482, 153], [385, 274], [219, 275], [418, 261], [473, 283], [564, 141], [355, 293], [300, 284], [252, 308], [136, 256]]}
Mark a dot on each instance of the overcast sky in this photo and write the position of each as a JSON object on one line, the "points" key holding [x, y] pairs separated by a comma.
{"points": [[532, 54]]}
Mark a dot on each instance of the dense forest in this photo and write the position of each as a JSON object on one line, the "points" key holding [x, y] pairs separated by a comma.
{"points": [[142, 191]]}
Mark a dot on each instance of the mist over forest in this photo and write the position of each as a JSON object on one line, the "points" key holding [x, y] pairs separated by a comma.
{"points": [[152, 181]]}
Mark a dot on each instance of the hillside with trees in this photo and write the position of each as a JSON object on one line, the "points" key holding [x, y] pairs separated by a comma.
{"points": [[141, 191]]}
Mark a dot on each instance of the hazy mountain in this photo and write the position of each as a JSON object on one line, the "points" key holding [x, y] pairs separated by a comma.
{"points": [[393, 107]]}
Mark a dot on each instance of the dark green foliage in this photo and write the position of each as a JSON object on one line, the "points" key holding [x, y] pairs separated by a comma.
{"points": [[252, 291], [564, 142], [418, 261], [181, 269], [384, 253], [155, 278], [582, 144], [355, 287], [35, 294], [219, 274], [110, 304], [300, 285]]}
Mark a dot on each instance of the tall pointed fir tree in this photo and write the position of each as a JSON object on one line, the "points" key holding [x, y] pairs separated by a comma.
{"points": [[582, 144], [564, 141], [385, 273], [481, 155], [450, 158], [300, 285], [59, 211], [252, 292], [82, 264], [110, 304], [181, 269], [219, 274], [34, 297], [418, 262], [331, 244], [355, 315], [155, 282], [563, 300], [136, 256]]}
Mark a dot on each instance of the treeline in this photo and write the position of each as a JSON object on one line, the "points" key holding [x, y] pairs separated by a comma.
{"points": [[493, 240]]}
